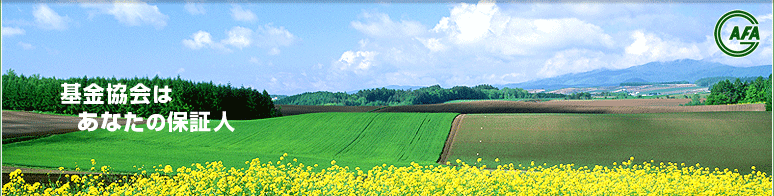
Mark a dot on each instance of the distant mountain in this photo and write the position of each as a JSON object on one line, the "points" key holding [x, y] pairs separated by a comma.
{"points": [[395, 87], [678, 70]]}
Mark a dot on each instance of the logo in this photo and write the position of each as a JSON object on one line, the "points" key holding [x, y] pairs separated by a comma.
{"points": [[747, 36]]}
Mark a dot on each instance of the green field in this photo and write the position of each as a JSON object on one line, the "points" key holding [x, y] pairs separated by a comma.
{"points": [[352, 139], [734, 140]]}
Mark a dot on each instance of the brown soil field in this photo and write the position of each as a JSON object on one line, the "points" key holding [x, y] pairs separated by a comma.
{"points": [[594, 107], [621, 102], [288, 110], [22, 123]]}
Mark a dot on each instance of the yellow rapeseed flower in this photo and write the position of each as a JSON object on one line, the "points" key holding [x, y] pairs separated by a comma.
{"points": [[417, 179]]}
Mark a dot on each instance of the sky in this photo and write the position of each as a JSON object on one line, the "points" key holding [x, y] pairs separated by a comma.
{"points": [[291, 48]]}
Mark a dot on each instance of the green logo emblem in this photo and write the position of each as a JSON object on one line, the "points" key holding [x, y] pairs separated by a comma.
{"points": [[747, 36]]}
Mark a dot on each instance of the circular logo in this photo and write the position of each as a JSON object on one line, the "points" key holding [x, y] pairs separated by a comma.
{"points": [[748, 35]]}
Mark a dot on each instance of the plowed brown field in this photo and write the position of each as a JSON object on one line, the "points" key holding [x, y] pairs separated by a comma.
{"points": [[22, 123]]}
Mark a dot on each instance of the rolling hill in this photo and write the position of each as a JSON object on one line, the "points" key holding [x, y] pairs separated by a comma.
{"points": [[352, 139]]}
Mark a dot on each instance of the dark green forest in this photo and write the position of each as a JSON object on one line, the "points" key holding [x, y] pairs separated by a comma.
{"points": [[708, 82], [727, 92], [425, 95], [36, 93]]}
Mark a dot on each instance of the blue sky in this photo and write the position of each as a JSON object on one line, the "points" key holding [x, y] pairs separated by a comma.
{"points": [[293, 48]]}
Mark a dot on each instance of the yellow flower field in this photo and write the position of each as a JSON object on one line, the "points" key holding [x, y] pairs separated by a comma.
{"points": [[293, 178]]}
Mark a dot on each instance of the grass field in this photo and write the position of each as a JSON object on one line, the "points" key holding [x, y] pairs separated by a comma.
{"points": [[734, 140], [352, 139]]}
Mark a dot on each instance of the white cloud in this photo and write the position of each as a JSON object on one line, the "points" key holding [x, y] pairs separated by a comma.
{"points": [[198, 40], [239, 14], [485, 27], [47, 18], [270, 36], [476, 43], [11, 31], [132, 13], [649, 47], [274, 51], [266, 36], [181, 70], [26, 46], [434, 44], [573, 61], [195, 8], [358, 62], [468, 22], [239, 37], [764, 18], [380, 25], [254, 60]]}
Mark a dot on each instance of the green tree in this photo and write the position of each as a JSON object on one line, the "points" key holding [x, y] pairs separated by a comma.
{"points": [[722, 93]]}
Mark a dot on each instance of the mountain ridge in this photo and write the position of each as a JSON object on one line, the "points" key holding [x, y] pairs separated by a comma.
{"points": [[667, 71], [677, 70]]}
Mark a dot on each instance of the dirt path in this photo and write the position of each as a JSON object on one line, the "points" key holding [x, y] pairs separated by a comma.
{"points": [[32, 175], [450, 139]]}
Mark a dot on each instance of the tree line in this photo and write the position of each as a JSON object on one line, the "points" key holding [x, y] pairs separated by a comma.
{"points": [[36, 93], [709, 81], [426, 95], [727, 92]]}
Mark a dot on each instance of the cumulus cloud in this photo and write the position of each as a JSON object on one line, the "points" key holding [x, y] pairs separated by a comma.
{"points": [[195, 8], [239, 37], [267, 36], [649, 47], [271, 36], [493, 45], [358, 62], [11, 31], [468, 22], [239, 14], [47, 18], [484, 24], [132, 13], [490, 45], [198, 40], [380, 25]]}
